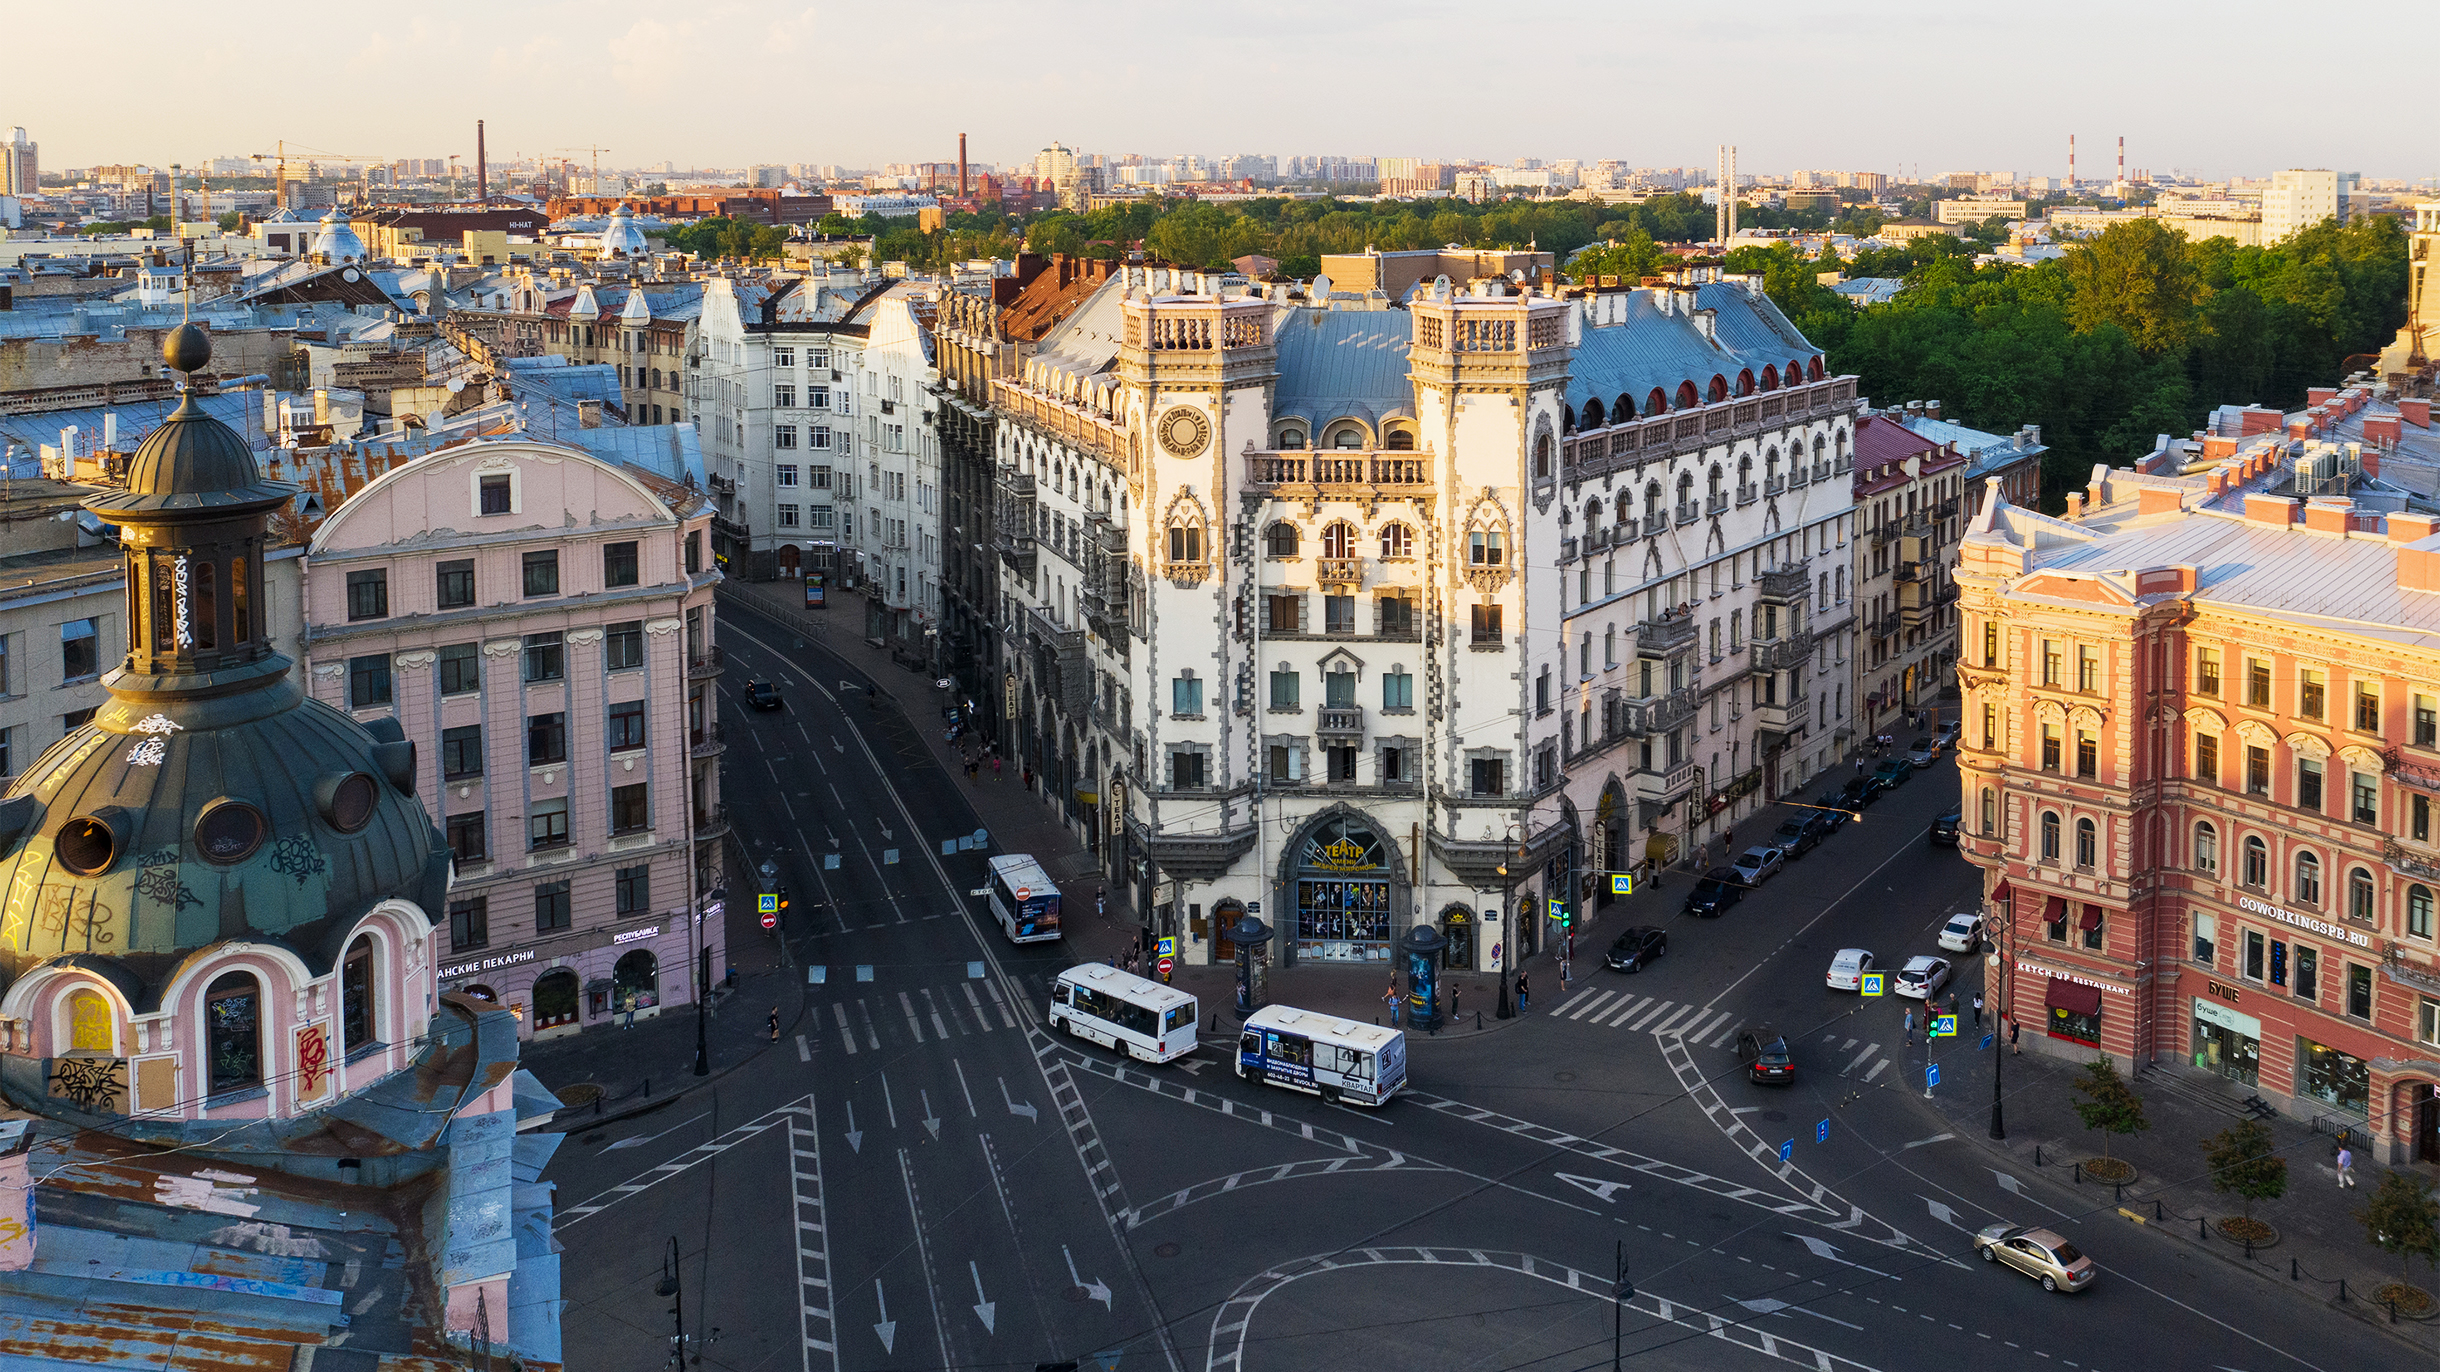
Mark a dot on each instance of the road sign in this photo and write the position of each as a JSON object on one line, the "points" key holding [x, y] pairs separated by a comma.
{"points": [[1167, 962], [1787, 1150], [1931, 1076], [1986, 1043], [767, 904], [1166, 946], [770, 919], [1622, 883], [1875, 983], [1025, 893], [1821, 1132], [1944, 1026]]}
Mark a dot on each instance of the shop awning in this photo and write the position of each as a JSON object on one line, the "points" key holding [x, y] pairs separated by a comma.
{"points": [[2074, 997], [2054, 910], [2092, 918]]}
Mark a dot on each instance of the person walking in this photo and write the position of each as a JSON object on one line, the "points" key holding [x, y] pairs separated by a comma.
{"points": [[1978, 1009], [1910, 1026], [2012, 1028], [775, 1024], [2346, 1166], [1389, 998], [1100, 905], [995, 766], [1524, 993], [1453, 1011]]}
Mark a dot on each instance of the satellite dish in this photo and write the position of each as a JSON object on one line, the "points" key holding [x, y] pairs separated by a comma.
{"points": [[1321, 286], [351, 274], [457, 384]]}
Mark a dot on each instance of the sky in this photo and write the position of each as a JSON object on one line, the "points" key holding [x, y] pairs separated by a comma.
{"points": [[2236, 87]]}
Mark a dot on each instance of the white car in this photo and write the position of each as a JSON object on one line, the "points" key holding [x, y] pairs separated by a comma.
{"points": [[1754, 864], [1922, 977], [1963, 933], [1848, 968]]}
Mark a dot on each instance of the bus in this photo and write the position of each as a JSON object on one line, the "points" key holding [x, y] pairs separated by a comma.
{"points": [[1024, 899], [1335, 1059], [1144, 1019]]}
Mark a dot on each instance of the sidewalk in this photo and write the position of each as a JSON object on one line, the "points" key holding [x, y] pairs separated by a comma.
{"points": [[1024, 820], [2320, 1243]]}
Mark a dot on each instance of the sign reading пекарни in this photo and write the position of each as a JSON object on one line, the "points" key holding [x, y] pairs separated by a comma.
{"points": [[2305, 922]]}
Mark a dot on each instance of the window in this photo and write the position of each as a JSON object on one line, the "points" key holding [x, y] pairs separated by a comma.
{"points": [[1185, 696], [1541, 687], [80, 651], [1990, 728], [2359, 895], [546, 657], [1338, 614], [550, 906], [818, 397], [2258, 683], [546, 738], [1339, 539], [2206, 931], [1185, 543], [2207, 758], [1392, 765], [2086, 842], [1489, 775], [542, 573], [454, 584], [1486, 625], [2050, 836], [462, 751], [2050, 663], [2050, 747], [626, 725], [2055, 927], [2308, 784], [368, 681], [2309, 690], [2257, 871], [1287, 763], [2427, 722], [2207, 671], [783, 357], [1990, 643], [467, 840], [547, 825], [1186, 771], [2364, 792], [2256, 947], [1281, 540], [2088, 754], [634, 890], [2092, 926], [2419, 911], [2427, 1022], [2206, 848], [1484, 548], [2308, 879], [619, 562], [493, 495], [469, 924], [2088, 670], [368, 594], [1397, 615], [788, 516], [784, 436], [1339, 689], [1397, 690], [232, 1020], [783, 397], [1989, 811], [630, 809], [2359, 991], [2257, 770], [694, 551], [2367, 708], [623, 645], [1397, 540], [461, 668], [356, 996], [1284, 691]]}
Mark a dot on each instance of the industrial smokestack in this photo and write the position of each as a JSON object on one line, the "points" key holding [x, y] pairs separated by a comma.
{"points": [[961, 166], [482, 168], [2122, 159]]}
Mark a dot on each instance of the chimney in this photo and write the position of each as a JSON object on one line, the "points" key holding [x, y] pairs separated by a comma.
{"points": [[2152, 500], [1931, 409], [2269, 509], [482, 168], [2329, 513], [2381, 429], [2075, 505], [588, 414], [2408, 527], [2317, 396], [2416, 412], [961, 166]]}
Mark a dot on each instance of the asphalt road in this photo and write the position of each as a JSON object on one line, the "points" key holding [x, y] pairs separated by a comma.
{"points": [[921, 1178]]}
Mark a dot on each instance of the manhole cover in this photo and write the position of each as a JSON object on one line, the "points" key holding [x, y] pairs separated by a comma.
{"points": [[1564, 1076], [1166, 1250], [1775, 1116]]}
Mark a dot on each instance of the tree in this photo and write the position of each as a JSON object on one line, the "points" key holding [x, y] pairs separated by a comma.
{"points": [[2402, 1219], [229, 221], [2114, 1108], [2245, 1161], [2137, 276]]}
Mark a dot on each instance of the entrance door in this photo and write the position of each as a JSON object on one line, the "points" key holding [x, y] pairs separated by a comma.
{"points": [[2427, 1123], [1458, 928], [1224, 918]]}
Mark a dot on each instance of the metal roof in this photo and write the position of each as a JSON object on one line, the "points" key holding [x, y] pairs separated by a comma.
{"points": [[1343, 364]]}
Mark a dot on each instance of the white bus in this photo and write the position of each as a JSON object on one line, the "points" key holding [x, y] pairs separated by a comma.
{"points": [[1336, 1059], [1024, 899], [1101, 1004]]}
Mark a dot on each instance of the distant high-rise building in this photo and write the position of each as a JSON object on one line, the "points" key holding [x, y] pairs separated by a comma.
{"points": [[1726, 221], [2299, 198], [20, 169]]}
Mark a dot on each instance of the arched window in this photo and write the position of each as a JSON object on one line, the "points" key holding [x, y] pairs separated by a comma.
{"points": [[1813, 368], [1652, 499], [1339, 539], [1592, 516], [2050, 836], [1291, 437], [1398, 441], [358, 1026], [635, 982], [1347, 437], [1770, 464], [1745, 382], [1397, 540], [2359, 894], [1185, 542], [2086, 842], [1621, 409], [1281, 539], [2308, 879], [556, 995], [1685, 498], [2419, 911], [1656, 403], [1718, 390], [2257, 871], [1990, 811], [233, 1037], [1687, 396], [1718, 479], [1593, 417], [1770, 377], [2206, 848], [1541, 457], [92, 1027], [1745, 475]]}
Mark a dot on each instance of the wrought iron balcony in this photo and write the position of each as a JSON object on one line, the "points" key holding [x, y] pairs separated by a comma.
{"points": [[708, 661]]}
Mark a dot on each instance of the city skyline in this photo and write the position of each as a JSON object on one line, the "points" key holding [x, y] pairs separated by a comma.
{"points": [[1058, 72]]}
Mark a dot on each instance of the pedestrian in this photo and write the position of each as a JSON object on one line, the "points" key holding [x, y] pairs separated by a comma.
{"points": [[2346, 1166], [630, 1022], [1910, 1026], [1453, 989], [1389, 997], [775, 1024], [1524, 993], [1978, 1009], [1100, 907], [995, 765], [2012, 1028]]}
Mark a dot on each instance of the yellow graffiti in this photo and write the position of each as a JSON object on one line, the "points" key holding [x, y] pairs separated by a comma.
{"points": [[11, 1230]]}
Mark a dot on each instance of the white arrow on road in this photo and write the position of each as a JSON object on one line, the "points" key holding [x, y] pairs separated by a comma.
{"points": [[930, 1120], [987, 1309], [1603, 1190], [1017, 1107], [855, 1136], [888, 1328], [1942, 1213], [1767, 1306], [1822, 1248], [1093, 1288]]}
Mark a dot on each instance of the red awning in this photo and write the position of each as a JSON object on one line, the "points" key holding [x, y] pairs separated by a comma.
{"points": [[2092, 918], [2054, 910], [2003, 893], [2074, 997]]}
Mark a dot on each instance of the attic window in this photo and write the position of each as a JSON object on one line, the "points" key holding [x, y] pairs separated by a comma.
{"points": [[86, 846]]}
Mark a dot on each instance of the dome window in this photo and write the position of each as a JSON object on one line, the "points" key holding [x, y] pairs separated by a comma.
{"points": [[86, 846], [228, 831], [347, 802]]}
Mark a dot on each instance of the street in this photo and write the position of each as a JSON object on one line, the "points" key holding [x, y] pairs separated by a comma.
{"points": [[919, 1176]]}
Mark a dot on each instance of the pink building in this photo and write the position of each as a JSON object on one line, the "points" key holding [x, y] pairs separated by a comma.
{"points": [[539, 622]]}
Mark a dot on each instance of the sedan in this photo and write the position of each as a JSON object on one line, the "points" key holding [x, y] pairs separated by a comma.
{"points": [[1796, 837], [1848, 968], [1922, 977], [1636, 949], [1833, 809], [1720, 888], [1963, 933], [2038, 1253], [763, 695], [1757, 863], [1861, 791], [1924, 752], [1893, 773], [1943, 832], [1766, 1058], [1946, 736]]}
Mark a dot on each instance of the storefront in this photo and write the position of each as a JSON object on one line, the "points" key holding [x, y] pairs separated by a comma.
{"points": [[566, 985], [1343, 893], [2336, 1079], [2074, 1011], [2227, 1043]]}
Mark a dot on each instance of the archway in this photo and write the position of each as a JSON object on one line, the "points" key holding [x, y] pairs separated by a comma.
{"points": [[635, 982], [788, 561], [555, 999], [1457, 925], [1342, 878]]}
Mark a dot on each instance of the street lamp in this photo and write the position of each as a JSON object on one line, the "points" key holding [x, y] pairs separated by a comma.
{"points": [[1508, 918], [2004, 895], [672, 1285]]}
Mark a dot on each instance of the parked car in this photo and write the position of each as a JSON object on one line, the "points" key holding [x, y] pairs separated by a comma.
{"points": [[1720, 888], [1963, 933], [1758, 863], [1893, 773], [1796, 837], [1944, 826], [763, 695], [2038, 1253], [1766, 1059], [1861, 791], [1848, 968], [1922, 977], [1946, 735], [1924, 752], [1634, 950], [1833, 809]]}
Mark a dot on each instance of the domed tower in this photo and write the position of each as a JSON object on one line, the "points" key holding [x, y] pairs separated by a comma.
{"points": [[214, 895], [337, 242], [621, 237]]}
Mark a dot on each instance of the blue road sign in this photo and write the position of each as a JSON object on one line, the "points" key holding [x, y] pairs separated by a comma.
{"points": [[1986, 1043], [1787, 1150], [1931, 1076], [1821, 1132], [1622, 883], [767, 903], [1875, 983], [1944, 1026], [1166, 946]]}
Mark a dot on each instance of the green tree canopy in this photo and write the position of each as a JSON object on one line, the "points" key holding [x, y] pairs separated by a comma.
{"points": [[2245, 1162], [2110, 1104], [2402, 1219]]}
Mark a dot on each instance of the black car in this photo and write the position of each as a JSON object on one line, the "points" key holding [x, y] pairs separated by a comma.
{"points": [[1796, 837], [1636, 949], [1720, 888], [1893, 773], [1832, 810], [1944, 826], [763, 695], [1766, 1058], [1861, 791]]}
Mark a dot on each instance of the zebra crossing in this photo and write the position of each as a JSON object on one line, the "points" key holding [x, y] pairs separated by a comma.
{"points": [[1594, 1007], [900, 1016]]}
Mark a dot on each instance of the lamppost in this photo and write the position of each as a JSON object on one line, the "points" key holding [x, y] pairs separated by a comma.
{"points": [[2003, 895], [717, 900], [1508, 917], [673, 1285]]}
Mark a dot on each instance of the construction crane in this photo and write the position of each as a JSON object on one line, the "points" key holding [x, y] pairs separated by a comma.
{"points": [[279, 158], [597, 152]]}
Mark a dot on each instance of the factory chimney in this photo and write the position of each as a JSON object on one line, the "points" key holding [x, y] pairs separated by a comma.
{"points": [[482, 168], [2071, 161], [2122, 164], [961, 166]]}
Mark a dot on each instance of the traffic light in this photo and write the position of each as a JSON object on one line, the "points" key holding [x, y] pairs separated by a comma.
{"points": [[783, 896]]}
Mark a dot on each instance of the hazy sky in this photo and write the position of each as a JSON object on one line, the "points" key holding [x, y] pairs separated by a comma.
{"points": [[2237, 87]]}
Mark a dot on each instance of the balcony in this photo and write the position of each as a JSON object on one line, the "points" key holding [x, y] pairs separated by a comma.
{"points": [[1665, 636], [1012, 530], [1747, 494], [1657, 523], [708, 662], [1920, 601], [1716, 506], [711, 823], [1341, 474], [1784, 717], [1689, 512], [1339, 721], [1782, 654], [1339, 575], [1786, 585], [705, 742], [1660, 714]]}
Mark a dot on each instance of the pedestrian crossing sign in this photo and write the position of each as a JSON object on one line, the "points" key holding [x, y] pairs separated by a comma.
{"points": [[1944, 1026], [1875, 983], [1622, 883], [767, 903], [1167, 945]]}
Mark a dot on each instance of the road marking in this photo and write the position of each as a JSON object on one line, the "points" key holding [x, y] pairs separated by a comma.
{"points": [[641, 1139], [1859, 1059], [931, 1121], [1664, 1026], [816, 1327], [1286, 1171], [1007, 1020], [908, 1003], [886, 1327], [975, 1003], [1658, 1009], [844, 1031], [1094, 1289], [886, 1103], [804, 1051], [1015, 1106], [872, 1035], [701, 1152], [1709, 1029], [855, 1136], [1877, 1069], [1800, 933], [1588, 1002], [939, 1028], [1823, 1248], [923, 1255], [1594, 1186], [1617, 1014], [984, 1308], [961, 1086], [1921, 1143], [1765, 1305]]}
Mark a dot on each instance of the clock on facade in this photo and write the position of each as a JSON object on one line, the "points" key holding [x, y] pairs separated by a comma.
{"points": [[1184, 431]]}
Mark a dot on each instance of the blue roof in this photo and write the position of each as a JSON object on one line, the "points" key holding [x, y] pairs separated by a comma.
{"points": [[1654, 350], [1343, 363]]}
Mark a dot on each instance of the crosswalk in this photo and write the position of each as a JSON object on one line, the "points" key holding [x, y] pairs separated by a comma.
{"points": [[1594, 1007], [888, 1018]]}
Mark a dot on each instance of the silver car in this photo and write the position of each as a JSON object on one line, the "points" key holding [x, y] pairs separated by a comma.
{"points": [[1922, 977], [2038, 1253]]}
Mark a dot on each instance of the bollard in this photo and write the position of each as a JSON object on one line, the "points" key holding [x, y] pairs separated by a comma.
{"points": [[2292, 1270], [2342, 1290], [2037, 1155], [2118, 1192], [2079, 1174], [2393, 1310], [2249, 1248], [1478, 1019], [2202, 1228], [2159, 1212]]}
